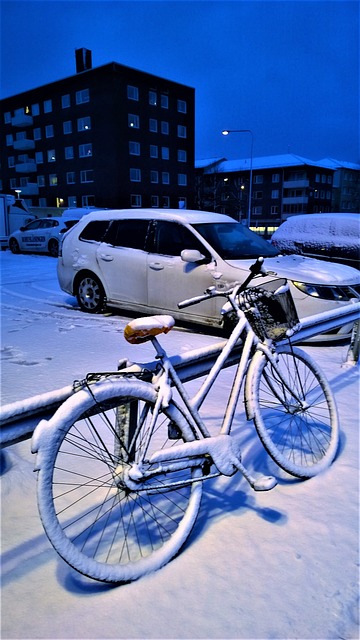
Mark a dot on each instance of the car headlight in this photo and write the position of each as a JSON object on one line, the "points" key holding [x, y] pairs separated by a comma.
{"points": [[339, 294]]}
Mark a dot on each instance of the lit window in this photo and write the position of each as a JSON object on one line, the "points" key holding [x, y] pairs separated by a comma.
{"points": [[153, 98], [165, 153], [51, 155], [35, 109], [39, 157], [132, 92], [275, 194], [133, 121], [47, 106], [181, 106], [82, 96], [67, 127], [135, 175], [53, 181], [83, 124], [85, 150], [153, 125], [134, 148]]}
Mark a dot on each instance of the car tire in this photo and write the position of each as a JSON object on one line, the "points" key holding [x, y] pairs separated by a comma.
{"points": [[53, 248], [14, 245], [90, 293]]}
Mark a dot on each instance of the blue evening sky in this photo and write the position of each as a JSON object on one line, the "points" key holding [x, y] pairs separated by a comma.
{"points": [[286, 69]]}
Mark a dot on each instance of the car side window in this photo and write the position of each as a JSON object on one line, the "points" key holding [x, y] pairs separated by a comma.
{"points": [[172, 238], [94, 231], [35, 224], [131, 234]]}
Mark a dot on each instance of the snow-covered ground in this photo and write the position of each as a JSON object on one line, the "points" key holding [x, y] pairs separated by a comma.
{"points": [[282, 564]]}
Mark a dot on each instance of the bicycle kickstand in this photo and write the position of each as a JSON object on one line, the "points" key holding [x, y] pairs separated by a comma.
{"points": [[262, 483]]}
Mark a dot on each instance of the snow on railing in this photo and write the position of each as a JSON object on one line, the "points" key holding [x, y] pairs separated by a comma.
{"points": [[19, 419]]}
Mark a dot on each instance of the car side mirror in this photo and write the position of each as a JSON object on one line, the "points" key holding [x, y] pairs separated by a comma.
{"points": [[192, 255]]}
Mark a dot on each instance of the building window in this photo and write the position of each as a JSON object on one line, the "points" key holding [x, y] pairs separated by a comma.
{"points": [[82, 96], [65, 101], [153, 125], [39, 157], [154, 151], [41, 181], [70, 177], [165, 177], [133, 121], [181, 131], [7, 117], [53, 181], [165, 153], [329, 179], [165, 128], [9, 140], [35, 109], [182, 203], [153, 98], [165, 202], [275, 194], [67, 127], [11, 161], [134, 148], [182, 179], [181, 106], [135, 175], [47, 106], [49, 131], [275, 177], [182, 155], [258, 195], [135, 200], [51, 155], [164, 101], [154, 176], [132, 92], [37, 133], [257, 211], [258, 179], [69, 153], [83, 124], [155, 201], [87, 176], [88, 201], [85, 150], [13, 183]]}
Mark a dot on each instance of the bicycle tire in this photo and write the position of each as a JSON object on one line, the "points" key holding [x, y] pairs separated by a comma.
{"points": [[301, 438], [99, 527]]}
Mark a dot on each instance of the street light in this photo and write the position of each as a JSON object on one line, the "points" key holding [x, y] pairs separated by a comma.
{"points": [[226, 133]]}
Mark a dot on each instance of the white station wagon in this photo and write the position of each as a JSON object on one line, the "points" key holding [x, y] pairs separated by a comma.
{"points": [[148, 260]]}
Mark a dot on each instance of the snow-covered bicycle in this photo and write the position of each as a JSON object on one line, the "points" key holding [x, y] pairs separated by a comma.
{"points": [[121, 464]]}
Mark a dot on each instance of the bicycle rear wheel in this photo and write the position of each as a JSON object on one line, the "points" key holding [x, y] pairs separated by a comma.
{"points": [[294, 411], [94, 521]]}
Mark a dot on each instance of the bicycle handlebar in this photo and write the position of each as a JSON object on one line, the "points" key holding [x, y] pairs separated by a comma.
{"points": [[212, 292]]}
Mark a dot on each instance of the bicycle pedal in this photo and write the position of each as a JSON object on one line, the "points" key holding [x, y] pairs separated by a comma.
{"points": [[264, 483]]}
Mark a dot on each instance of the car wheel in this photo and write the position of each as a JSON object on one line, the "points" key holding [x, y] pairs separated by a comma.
{"points": [[53, 248], [14, 245], [90, 293]]}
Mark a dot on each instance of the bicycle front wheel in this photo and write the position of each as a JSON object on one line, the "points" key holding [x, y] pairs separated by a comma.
{"points": [[294, 411], [97, 524]]}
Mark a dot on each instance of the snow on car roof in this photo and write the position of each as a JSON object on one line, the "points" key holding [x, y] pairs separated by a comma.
{"points": [[177, 215], [325, 226]]}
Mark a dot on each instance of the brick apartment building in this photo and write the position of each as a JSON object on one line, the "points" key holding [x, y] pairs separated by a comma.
{"points": [[110, 136]]}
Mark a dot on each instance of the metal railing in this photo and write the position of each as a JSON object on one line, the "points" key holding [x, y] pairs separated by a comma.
{"points": [[19, 419]]}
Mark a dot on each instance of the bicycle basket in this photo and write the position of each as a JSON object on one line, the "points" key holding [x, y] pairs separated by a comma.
{"points": [[270, 309]]}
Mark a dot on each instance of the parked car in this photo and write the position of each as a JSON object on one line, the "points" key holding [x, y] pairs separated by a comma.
{"points": [[41, 235], [148, 260], [329, 236]]}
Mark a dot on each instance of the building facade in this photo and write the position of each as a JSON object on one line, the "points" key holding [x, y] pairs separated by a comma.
{"points": [[110, 136], [263, 192]]}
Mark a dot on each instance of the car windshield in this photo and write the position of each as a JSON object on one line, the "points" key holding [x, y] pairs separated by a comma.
{"points": [[233, 241]]}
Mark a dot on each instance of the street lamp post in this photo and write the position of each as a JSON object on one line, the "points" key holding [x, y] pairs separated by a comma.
{"points": [[226, 133]]}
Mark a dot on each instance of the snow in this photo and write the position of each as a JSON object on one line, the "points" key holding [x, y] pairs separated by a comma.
{"points": [[280, 564]]}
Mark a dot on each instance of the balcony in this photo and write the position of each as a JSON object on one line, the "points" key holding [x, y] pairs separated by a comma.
{"points": [[296, 200], [24, 145], [295, 184], [31, 189], [26, 167], [22, 120]]}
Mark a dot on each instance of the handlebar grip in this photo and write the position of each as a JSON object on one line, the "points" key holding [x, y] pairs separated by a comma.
{"points": [[191, 301]]}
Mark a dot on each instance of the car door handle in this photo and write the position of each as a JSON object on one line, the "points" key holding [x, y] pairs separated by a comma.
{"points": [[106, 257], [156, 266]]}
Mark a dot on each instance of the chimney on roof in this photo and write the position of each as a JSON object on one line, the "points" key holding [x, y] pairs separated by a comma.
{"points": [[83, 60]]}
